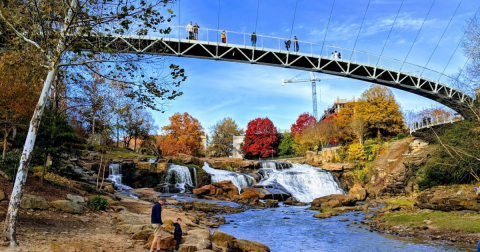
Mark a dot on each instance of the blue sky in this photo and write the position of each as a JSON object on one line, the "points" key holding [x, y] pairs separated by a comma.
{"points": [[215, 90]]}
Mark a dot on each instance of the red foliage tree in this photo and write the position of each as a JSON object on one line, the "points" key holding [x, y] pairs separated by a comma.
{"points": [[303, 121], [260, 138]]}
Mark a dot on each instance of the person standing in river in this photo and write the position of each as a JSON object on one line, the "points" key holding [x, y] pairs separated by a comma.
{"points": [[157, 224]]}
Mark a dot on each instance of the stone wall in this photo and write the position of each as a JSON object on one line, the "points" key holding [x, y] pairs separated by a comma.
{"points": [[237, 141], [326, 155]]}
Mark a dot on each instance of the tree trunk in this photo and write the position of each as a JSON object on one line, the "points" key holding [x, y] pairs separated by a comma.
{"points": [[10, 226], [5, 135], [378, 134]]}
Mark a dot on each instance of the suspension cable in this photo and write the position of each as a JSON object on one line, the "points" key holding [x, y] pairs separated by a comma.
{"points": [[218, 19], [294, 14], [256, 21], [415, 40], [364, 15], [459, 42], [326, 31], [390, 32], [179, 3], [446, 28]]}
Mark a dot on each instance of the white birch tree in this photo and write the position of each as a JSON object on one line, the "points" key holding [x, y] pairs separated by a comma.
{"points": [[62, 31]]}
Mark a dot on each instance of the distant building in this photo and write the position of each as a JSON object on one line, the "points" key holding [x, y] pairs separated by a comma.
{"points": [[335, 108], [237, 148]]}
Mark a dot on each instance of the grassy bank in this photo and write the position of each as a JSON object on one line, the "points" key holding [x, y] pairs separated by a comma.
{"points": [[454, 221]]}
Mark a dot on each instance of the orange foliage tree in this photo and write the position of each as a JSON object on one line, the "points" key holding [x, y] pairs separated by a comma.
{"points": [[183, 135], [20, 85]]}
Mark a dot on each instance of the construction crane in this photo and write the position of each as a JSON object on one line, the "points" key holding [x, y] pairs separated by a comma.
{"points": [[314, 80]]}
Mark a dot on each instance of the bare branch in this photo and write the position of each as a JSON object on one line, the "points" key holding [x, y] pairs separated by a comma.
{"points": [[19, 34]]}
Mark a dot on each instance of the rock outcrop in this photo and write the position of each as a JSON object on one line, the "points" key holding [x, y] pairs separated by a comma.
{"points": [[240, 245], [33, 202], [225, 190], [67, 206], [334, 200], [358, 192]]}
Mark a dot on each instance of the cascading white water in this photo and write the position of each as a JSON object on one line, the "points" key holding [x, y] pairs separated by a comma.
{"points": [[181, 175], [304, 182], [115, 175], [238, 179]]}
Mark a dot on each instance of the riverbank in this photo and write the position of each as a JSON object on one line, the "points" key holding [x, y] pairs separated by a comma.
{"points": [[125, 226]]}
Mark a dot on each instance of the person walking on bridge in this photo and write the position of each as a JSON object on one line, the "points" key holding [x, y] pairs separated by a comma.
{"points": [[287, 44], [295, 44], [157, 223], [254, 39], [224, 37], [190, 30], [195, 31]]}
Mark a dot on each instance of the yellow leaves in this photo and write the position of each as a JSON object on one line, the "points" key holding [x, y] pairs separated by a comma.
{"points": [[183, 135], [356, 152]]}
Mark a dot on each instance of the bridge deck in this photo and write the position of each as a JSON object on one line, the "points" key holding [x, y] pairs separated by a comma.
{"points": [[388, 76]]}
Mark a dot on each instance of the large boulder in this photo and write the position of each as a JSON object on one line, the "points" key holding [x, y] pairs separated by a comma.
{"points": [[142, 235], [221, 190], [131, 218], [337, 167], [293, 202], [249, 196], [196, 240], [168, 243], [67, 206], [33, 202], [240, 245], [334, 200], [358, 192], [222, 239], [76, 198], [271, 203]]}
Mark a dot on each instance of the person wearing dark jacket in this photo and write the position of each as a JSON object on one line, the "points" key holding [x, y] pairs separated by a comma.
{"points": [[287, 44], [295, 44], [254, 39], [157, 223], [177, 234]]}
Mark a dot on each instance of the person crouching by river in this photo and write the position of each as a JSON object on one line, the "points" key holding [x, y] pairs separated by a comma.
{"points": [[177, 234], [157, 224]]}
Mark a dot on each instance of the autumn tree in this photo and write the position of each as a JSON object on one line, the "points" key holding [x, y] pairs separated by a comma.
{"points": [[260, 138], [304, 120], [381, 112], [315, 137], [358, 127], [20, 82], [183, 135], [58, 32], [222, 137]]}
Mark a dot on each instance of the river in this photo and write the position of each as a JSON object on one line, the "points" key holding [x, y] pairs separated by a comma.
{"points": [[294, 229]]}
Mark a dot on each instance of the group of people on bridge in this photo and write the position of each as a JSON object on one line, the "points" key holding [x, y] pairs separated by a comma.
{"points": [[192, 31]]}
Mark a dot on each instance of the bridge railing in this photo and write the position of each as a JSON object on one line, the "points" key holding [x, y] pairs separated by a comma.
{"points": [[242, 39], [431, 121]]}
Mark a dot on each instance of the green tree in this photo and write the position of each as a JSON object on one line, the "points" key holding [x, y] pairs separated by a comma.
{"points": [[56, 138], [380, 111], [222, 137], [286, 144]]}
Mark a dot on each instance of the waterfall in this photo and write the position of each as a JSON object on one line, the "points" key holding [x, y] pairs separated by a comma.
{"points": [[238, 179], [115, 175], [304, 182], [195, 176], [180, 176]]}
